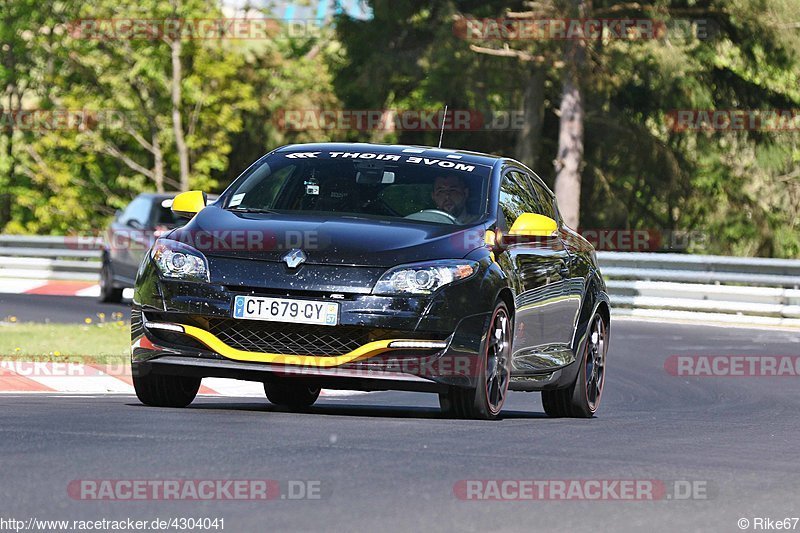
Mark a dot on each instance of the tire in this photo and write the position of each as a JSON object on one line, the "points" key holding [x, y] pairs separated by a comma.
{"points": [[485, 401], [166, 391], [108, 293], [582, 398], [291, 395]]}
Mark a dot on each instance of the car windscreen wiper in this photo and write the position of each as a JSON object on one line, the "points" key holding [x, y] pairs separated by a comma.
{"points": [[250, 210]]}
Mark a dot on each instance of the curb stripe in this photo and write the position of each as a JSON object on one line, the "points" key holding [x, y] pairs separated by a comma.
{"points": [[61, 288], [13, 382]]}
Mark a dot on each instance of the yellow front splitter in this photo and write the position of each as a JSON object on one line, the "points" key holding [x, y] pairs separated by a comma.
{"points": [[323, 361]]}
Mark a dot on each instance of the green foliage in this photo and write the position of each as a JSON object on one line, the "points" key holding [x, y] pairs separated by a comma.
{"points": [[740, 189], [72, 180]]}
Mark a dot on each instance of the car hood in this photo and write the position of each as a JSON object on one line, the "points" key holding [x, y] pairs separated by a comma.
{"points": [[325, 239]]}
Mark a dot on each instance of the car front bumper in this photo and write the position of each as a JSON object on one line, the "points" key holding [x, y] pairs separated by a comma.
{"points": [[381, 343]]}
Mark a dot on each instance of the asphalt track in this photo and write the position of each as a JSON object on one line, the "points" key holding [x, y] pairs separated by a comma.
{"points": [[389, 461]]}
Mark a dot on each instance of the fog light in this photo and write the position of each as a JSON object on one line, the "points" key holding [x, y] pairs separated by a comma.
{"points": [[418, 344], [168, 327]]}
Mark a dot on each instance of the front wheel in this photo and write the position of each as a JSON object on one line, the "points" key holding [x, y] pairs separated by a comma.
{"points": [[166, 391], [486, 400], [582, 399], [108, 293], [291, 395]]}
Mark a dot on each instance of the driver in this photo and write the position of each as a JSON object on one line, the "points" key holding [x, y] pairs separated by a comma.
{"points": [[450, 195]]}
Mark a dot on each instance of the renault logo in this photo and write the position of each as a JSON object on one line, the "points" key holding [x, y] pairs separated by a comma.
{"points": [[295, 258]]}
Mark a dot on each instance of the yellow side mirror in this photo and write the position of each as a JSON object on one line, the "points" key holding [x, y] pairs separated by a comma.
{"points": [[188, 204], [533, 225]]}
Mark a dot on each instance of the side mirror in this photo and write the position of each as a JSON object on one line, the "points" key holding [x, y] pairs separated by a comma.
{"points": [[188, 204], [533, 225]]}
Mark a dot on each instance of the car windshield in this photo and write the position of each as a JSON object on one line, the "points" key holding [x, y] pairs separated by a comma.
{"points": [[375, 185]]}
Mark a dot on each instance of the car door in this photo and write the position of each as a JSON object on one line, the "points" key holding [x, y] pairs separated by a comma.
{"points": [[547, 294]]}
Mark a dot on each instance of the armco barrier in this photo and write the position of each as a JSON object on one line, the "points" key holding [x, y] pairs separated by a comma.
{"points": [[61, 258], [727, 289]]}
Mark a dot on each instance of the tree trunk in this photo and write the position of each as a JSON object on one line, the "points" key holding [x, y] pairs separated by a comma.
{"points": [[529, 138], [158, 163], [177, 126], [570, 136], [570, 154], [7, 196]]}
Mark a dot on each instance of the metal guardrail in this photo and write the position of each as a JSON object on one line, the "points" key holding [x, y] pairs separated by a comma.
{"points": [[49, 257], [732, 289], [727, 289]]}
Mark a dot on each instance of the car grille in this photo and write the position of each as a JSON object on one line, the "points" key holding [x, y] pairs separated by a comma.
{"points": [[291, 339]]}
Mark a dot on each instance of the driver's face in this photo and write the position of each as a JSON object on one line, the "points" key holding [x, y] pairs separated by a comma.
{"points": [[450, 195]]}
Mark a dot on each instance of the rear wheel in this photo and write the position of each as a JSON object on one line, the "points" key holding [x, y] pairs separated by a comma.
{"points": [[166, 391], [582, 399], [108, 294], [292, 395], [486, 400]]}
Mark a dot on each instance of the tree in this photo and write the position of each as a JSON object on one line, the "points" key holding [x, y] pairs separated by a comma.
{"points": [[637, 171], [142, 95], [569, 160], [27, 35]]}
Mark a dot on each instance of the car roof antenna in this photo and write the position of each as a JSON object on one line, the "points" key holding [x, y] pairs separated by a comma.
{"points": [[444, 121]]}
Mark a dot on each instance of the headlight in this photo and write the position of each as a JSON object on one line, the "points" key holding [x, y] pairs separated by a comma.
{"points": [[424, 278], [179, 261]]}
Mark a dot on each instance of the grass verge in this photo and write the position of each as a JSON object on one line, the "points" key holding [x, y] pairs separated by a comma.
{"points": [[104, 343]]}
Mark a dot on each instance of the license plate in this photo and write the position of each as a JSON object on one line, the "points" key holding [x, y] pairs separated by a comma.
{"points": [[286, 310]]}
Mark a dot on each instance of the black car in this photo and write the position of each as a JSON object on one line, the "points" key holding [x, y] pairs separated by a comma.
{"points": [[374, 267]]}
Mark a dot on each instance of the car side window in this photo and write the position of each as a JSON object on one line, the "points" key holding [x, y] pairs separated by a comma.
{"points": [[519, 193], [512, 192], [136, 214], [544, 205]]}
